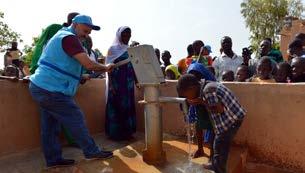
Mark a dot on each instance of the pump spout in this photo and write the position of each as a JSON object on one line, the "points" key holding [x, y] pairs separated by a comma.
{"points": [[175, 100]]}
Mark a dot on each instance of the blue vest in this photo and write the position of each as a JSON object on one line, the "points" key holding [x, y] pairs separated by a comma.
{"points": [[57, 71]]}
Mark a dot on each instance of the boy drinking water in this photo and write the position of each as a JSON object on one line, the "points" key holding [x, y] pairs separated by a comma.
{"points": [[226, 114]]}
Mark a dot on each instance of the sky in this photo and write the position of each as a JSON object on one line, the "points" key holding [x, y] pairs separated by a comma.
{"points": [[166, 24]]}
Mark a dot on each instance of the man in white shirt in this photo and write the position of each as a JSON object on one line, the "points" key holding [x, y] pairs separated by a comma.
{"points": [[228, 60]]}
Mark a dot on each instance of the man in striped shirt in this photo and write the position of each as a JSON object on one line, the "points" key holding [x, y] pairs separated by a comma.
{"points": [[226, 113]]}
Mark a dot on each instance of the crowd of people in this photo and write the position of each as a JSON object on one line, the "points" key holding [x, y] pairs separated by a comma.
{"points": [[228, 66], [213, 108], [63, 58], [268, 66]]}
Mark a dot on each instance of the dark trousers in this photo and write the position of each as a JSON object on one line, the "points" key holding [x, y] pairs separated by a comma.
{"points": [[221, 148], [57, 109]]}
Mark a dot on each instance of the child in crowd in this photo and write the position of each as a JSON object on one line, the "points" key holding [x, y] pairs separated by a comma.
{"points": [[171, 72], [203, 122], [227, 76], [204, 56], [12, 53], [226, 113], [201, 72], [242, 73], [10, 73], [298, 69], [283, 73], [264, 71]]}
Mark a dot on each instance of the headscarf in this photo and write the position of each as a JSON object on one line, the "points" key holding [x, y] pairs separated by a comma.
{"points": [[117, 48], [46, 35], [192, 116], [115, 51], [207, 75], [174, 69]]}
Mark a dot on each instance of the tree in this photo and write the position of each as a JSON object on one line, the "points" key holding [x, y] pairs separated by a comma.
{"points": [[6, 34], [295, 8], [265, 18], [28, 51]]}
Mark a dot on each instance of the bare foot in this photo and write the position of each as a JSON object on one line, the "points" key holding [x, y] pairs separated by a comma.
{"points": [[200, 153]]}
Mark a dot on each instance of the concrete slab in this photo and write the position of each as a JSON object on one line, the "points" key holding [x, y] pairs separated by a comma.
{"points": [[127, 158]]}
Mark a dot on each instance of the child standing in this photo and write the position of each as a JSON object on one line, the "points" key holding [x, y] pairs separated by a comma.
{"points": [[242, 73], [225, 111], [12, 53], [298, 69], [227, 76], [203, 123], [264, 70], [204, 56], [283, 73], [171, 72]]}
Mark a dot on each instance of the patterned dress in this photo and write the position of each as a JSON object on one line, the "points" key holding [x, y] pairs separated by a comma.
{"points": [[120, 109]]}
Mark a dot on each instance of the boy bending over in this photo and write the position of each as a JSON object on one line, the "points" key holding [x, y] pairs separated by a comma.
{"points": [[225, 111]]}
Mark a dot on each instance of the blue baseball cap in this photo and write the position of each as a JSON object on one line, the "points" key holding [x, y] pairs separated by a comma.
{"points": [[83, 19], [208, 47]]}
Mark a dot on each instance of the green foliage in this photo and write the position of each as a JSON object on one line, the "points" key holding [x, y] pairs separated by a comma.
{"points": [[28, 51], [295, 8], [265, 18], [6, 34]]}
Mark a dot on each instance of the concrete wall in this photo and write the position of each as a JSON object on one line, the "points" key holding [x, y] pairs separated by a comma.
{"points": [[273, 128], [20, 119]]}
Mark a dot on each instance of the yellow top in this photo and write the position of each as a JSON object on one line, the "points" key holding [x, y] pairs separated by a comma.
{"points": [[257, 79]]}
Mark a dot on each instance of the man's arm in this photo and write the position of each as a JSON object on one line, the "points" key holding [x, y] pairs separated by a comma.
{"points": [[90, 65], [73, 48]]}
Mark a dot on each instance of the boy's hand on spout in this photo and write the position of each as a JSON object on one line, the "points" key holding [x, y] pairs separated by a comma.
{"points": [[196, 101]]}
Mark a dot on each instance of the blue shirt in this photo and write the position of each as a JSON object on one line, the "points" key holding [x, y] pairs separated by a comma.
{"points": [[58, 71]]}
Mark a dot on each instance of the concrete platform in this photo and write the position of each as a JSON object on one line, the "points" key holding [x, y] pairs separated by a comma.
{"points": [[127, 159]]}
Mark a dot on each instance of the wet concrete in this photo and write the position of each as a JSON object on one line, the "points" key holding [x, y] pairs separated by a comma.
{"points": [[127, 159]]}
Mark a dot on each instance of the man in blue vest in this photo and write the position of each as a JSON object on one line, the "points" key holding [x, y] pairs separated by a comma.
{"points": [[53, 86]]}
